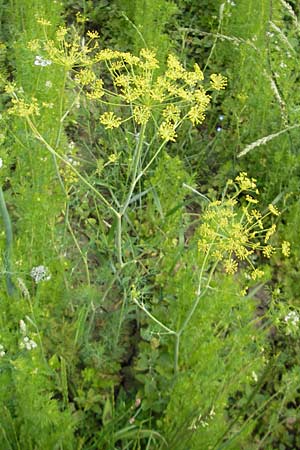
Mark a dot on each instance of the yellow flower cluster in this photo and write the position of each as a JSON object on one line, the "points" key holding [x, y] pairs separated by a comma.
{"points": [[273, 210], [23, 109], [218, 82], [110, 120], [93, 34], [286, 248], [135, 81], [230, 236], [67, 48], [85, 77], [167, 131], [176, 95], [43, 22], [141, 114], [245, 183]]}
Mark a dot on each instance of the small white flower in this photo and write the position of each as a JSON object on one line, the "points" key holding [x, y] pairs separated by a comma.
{"points": [[48, 84], [27, 343], [40, 273], [292, 317], [23, 327], [254, 376], [33, 344], [1, 162], [30, 345], [72, 161], [39, 61], [2, 352]]}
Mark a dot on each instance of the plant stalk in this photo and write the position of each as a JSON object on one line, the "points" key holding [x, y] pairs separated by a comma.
{"points": [[8, 245]]}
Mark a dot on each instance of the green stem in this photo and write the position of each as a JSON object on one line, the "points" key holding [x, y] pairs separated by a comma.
{"points": [[137, 160], [84, 257], [142, 173], [164, 327], [119, 240], [8, 247], [176, 353], [61, 158], [200, 293]]}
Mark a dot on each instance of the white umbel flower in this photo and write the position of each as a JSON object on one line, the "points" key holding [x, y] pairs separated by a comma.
{"points": [[292, 317], [27, 343], [40, 273], [40, 61]]}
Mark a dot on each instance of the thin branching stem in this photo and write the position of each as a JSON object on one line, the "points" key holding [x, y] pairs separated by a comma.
{"points": [[8, 245]]}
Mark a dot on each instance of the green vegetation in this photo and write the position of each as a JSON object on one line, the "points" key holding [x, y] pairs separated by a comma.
{"points": [[149, 203]]}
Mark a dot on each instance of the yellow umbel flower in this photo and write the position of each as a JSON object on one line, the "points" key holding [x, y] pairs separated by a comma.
{"points": [[268, 251], [199, 72], [270, 232], [218, 82], [110, 120], [44, 22], [175, 69], [61, 33], [201, 98], [113, 158], [148, 59], [10, 88], [251, 199], [141, 114], [34, 45], [130, 59], [231, 234], [23, 109], [192, 78], [93, 34], [96, 90], [286, 248], [196, 115], [256, 274], [85, 76], [230, 266], [106, 55], [167, 131], [244, 182], [171, 113], [273, 210], [160, 89]]}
